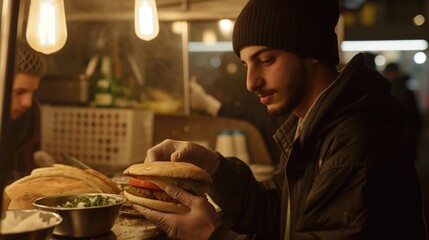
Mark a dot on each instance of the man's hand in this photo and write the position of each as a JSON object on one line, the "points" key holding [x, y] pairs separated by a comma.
{"points": [[43, 159], [179, 151], [197, 224]]}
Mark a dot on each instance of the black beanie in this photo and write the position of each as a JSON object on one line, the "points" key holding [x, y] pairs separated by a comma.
{"points": [[304, 27]]}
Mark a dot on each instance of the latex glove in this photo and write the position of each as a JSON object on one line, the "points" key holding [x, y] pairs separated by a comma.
{"points": [[197, 224], [180, 151], [200, 100], [43, 159]]}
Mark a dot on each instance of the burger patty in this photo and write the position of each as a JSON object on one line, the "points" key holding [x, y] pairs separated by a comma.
{"points": [[151, 193]]}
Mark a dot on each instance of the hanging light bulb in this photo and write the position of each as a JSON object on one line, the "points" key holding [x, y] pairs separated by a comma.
{"points": [[146, 22], [46, 28]]}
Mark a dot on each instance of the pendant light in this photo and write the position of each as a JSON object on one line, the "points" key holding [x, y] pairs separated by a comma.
{"points": [[46, 28], [146, 23]]}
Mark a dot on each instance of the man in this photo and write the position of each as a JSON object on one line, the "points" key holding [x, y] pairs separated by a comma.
{"points": [[24, 130], [345, 172], [400, 90]]}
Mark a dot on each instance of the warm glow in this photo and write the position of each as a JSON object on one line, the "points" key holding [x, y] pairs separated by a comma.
{"points": [[178, 27], [146, 22], [368, 14], [209, 37], [46, 28], [419, 20], [225, 25], [231, 68]]}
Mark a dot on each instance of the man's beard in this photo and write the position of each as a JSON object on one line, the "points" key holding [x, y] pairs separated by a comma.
{"points": [[279, 112], [295, 93]]}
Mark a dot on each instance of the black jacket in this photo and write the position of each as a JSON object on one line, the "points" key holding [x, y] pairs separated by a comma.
{"points": [[348, 176]]}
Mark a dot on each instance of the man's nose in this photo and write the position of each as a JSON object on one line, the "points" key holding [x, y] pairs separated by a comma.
{"points": [[254, 81], [27, 100]]}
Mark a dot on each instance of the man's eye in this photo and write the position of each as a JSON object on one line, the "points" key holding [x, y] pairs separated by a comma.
{"points": [[267, 61], [19, 91]]}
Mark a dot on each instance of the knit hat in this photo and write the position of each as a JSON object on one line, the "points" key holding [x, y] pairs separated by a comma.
{"points": [[28, 60], [304, 27]]}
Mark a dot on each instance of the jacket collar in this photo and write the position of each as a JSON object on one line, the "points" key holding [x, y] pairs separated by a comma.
{"points": [[348, 92]]}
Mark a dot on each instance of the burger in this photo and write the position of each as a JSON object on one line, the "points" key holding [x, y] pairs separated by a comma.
{"points": [[147, 182]]}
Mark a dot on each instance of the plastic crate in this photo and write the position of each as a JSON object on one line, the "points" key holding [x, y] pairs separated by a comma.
{"points": [[99, 137]]}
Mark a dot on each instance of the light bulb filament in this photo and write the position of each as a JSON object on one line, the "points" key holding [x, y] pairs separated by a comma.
{"points": [[146, 19], [47, 27]]}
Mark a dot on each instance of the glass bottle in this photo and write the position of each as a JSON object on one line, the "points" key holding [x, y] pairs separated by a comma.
{"points": [[104, 85], [119, 87]]}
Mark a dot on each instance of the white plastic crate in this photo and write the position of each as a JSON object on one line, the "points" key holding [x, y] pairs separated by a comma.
{"points": [[98, 137]]}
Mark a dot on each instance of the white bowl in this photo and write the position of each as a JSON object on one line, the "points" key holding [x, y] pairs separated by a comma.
{"points": [[28, 224]]}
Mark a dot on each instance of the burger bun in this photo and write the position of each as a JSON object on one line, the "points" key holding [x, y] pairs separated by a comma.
{"points": [[154, 204], [162, 173]]}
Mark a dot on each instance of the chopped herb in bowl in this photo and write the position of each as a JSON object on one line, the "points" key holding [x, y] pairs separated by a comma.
{"points": [[90, 201]]}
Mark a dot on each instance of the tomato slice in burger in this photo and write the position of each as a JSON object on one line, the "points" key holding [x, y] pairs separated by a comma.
{"points": [[143, 184]]}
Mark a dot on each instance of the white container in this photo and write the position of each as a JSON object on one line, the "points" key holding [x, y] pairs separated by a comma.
{"points": [[240, 145], [97, 136], [225, 143]]}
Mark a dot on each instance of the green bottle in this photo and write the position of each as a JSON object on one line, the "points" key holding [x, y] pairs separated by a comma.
{"points": [[119, 87], [104, 85]]}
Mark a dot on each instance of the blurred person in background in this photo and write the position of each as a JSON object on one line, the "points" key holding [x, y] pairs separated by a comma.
{"points": [[24, 126], [406, 96], [344, 168]]}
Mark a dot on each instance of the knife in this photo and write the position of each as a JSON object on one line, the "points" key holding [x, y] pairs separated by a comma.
{"points": [[72, 161]]}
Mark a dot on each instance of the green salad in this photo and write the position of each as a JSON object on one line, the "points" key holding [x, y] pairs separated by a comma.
{"points": [[90, 201]]}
